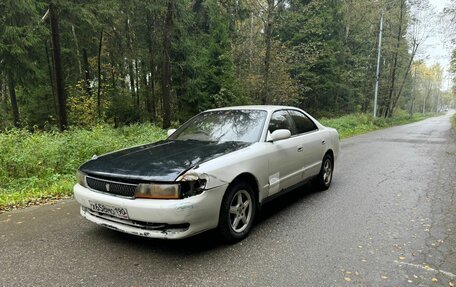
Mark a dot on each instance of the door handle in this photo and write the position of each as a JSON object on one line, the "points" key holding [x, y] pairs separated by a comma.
{"points": [[323, 142], [300, 149]]}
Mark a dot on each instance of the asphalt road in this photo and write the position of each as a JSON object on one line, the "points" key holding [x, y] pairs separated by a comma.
{"points": [[389, 219]]}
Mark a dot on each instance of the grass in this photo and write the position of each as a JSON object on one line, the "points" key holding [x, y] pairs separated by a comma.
{"points": [[453, 121], [39, 166], [355, 124]]}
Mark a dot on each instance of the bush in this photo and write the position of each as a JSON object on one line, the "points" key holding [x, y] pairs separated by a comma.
{"points": [[43, 164]]}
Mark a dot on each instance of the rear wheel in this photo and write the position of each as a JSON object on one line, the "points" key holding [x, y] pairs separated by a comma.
{"points": [[324, 178], [237, 212]]}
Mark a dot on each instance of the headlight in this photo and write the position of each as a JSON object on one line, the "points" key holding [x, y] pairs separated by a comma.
{"points": [[81, 178], [158, 191], [192, 184]]}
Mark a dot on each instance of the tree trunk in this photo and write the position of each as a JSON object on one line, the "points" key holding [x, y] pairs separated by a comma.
{"points": [[121, 55], [51, 77], [388, 112], [114, 92], [87, 73], [146, 95], [251, 42], [58, 67], [348, 19], [151, 91], [412, 105], [426, 96], [78, 55], [131, 75], [12, 92], [166, 65], [267, 58], [138, 87], [131, 71], [396, 99], [2, 97], [100, 46]]}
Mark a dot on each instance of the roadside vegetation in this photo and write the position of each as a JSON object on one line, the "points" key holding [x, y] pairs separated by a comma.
{"points": [[39, 166], [355, 124], [453, 121]]}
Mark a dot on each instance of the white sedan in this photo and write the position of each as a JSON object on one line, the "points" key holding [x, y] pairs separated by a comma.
{"points": [[215, 171]]}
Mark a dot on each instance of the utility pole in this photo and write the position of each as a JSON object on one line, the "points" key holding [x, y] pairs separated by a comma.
{"points": [[412, 106], [378, 65]]}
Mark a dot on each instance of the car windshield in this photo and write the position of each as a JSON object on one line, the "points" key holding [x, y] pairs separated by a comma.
{"points": [[223, 126]]}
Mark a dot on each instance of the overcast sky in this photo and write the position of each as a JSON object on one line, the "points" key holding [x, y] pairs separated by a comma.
{"points": [[435, 47]]}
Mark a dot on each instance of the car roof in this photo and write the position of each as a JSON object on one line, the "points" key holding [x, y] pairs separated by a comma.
{"points": [[255, 107]]}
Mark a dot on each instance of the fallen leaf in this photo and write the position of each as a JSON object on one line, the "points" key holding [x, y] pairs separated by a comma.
{"points": [[348, 272], [409, 281], [402, 257], [384, 277], [348, 279], [434, 279]]}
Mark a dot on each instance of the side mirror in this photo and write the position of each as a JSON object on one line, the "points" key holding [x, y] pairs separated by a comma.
{"points": [[171, 131], [278, 135]]}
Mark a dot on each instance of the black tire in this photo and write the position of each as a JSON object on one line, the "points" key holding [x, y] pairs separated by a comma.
{"points": [[227, 218], [322, 182]]}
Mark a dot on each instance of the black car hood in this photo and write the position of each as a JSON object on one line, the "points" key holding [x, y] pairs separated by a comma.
{"points": [[160, 161]]}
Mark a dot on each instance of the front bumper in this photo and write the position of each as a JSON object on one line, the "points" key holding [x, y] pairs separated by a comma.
{"points": [[173, 219]]}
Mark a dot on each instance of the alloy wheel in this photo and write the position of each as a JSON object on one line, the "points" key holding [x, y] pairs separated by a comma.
{"points": [[327, 169], [241, 209]]}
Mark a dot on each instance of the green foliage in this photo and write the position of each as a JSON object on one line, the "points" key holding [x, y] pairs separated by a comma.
{"points": [[42, 164], [314, 33], [206, 78], [19, 39], [322, 57], [355, 124]]}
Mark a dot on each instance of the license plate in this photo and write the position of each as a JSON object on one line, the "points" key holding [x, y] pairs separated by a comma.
{"points": [[110, 210]]}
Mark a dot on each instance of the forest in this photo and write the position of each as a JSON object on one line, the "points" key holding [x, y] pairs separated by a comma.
{"points": [[77, 63]]}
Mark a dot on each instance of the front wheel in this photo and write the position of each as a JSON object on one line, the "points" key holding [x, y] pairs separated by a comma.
{"points": [[324, 178], [237, 212]]}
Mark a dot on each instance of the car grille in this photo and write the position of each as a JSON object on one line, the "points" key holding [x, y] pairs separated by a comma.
{"points": [[117, 188]]}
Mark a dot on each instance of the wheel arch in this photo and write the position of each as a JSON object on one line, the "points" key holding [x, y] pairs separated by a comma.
{"points": [[330, 152], [249, 179]]}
